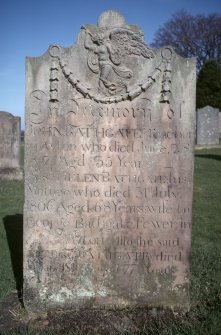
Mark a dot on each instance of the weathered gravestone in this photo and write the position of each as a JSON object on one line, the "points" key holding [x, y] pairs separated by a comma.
{"points": [[10, 128], [219, 124], [207, 125], [109, 172]]}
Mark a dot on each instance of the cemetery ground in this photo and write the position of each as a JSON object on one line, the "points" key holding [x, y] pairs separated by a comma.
{"points": [[204, 316]]}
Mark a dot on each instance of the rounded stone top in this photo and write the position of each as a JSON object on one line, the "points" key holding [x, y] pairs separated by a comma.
{"points": [[207, 108], [4, 115], [111, 18]]}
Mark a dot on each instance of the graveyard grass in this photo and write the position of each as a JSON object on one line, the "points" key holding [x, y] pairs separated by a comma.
{"points": [[204, 317]]}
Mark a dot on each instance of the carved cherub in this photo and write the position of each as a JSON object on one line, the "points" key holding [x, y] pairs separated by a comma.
{"points": [[106, 54]]}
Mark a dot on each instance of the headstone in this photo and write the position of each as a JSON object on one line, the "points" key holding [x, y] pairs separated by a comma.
{"points": [[219, 124], [109, 172], [10, 147], [207, 126]]}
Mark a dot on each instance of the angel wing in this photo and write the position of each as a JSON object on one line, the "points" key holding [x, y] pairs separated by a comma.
{"points": [[126, 42]]}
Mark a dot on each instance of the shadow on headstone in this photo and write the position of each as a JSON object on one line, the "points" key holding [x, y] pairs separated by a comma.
{"points": [[14, 231], [216, 157]]}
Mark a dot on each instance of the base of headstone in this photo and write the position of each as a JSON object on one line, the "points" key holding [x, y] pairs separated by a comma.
{"points": [[173, 302], [15, 319], [11, 174]]}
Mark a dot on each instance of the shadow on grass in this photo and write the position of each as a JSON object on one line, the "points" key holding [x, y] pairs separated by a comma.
{"points": [[14, 231], [216, 157]]}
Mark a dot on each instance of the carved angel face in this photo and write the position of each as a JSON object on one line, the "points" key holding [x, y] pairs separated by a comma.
{"points": [[99, 39]]}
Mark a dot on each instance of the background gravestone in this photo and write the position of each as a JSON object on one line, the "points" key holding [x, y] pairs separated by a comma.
{"points": [[10, 128], [219, 124], [108, 172], [207, 125]]}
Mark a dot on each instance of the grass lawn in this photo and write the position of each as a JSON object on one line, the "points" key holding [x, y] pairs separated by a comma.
{"points": [[205, 315]]}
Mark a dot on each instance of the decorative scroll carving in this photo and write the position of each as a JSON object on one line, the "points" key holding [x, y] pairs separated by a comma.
{"points": [[105, 57], [131, 94], [39, 104], [166, 89], [54, 52]]}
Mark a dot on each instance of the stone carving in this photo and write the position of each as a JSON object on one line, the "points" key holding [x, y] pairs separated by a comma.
{"points": [[107, 50], [166, 89], [131, 94], [38, 102], [110, 130], [54, 82], [106, 55]]}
